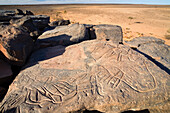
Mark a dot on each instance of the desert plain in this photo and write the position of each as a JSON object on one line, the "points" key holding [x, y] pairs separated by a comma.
{"points": [[135, 20]]}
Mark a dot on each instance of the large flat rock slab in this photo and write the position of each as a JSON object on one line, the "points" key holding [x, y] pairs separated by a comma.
{"points": [[64, 35], [92, 75], [136, 42], [154, 48]]}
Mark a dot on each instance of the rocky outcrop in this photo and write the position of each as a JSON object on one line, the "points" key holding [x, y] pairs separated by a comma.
{"points": [[28, 12], [19, 12], [153, 48], [136, 42], [64, 74], [27, 23], [40, 21], [63, 35], [16, 44], [109, 32], [59, 23], [92, 75]]}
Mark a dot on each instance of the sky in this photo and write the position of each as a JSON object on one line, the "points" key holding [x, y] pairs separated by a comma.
{"points": [[10, 2]]}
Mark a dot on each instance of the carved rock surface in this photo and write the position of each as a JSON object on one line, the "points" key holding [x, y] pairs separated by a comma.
{"points": [[109, 32], [16, 44], [154, 48], [64, 35], [92, 75]]}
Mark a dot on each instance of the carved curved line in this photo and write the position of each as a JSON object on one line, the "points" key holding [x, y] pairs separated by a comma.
{"points": [[97, 89], [113, 77], [113, 74], [154, 79], [29, 101], [14, 101], [48, 80], [117, 82], [134, 70], [58, 89], [134, 87], [64, 83], [104, 70]]}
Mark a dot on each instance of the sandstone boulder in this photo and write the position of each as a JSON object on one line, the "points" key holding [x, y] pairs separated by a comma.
{"points": [[4, 18], [7, 13], [154, 48], [28, 12], [19, 12], [59, 23], [136, 42], [5, 73], [40, 21], [16, 44], [64, 35], [92, 75], [109, 32], [27, 23]]}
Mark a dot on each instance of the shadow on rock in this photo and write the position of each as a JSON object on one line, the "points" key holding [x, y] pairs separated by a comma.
{"points": [[154, 61], [53, 41], [44, 54]]}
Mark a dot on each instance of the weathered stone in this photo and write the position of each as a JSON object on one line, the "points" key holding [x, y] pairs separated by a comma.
{"points": [[40, 21], [19, 12], [17, 17], [154, 48], [60, 23], [27, 23], [4, 23], [16, 44], [29, 12], [5, 73], [136, 42], [91, 31], [2, 27], [92, 75], [64, 35], [159, 52], [5, 18], [7, 13], [109, 32]]}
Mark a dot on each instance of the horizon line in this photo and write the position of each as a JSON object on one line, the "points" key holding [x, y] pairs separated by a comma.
{"points": [[83, 4]]}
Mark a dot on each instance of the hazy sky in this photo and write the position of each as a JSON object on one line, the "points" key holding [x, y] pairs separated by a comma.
{"points": [[162, 2]]}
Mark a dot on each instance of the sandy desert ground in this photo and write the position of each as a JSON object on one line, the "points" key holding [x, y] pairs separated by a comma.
{"points": [[135, 20]]}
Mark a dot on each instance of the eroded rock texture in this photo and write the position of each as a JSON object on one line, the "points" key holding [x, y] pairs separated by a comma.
{"points": [[92, 75], [153, 48], [16, 44], [109, 32], [64, 35]]}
